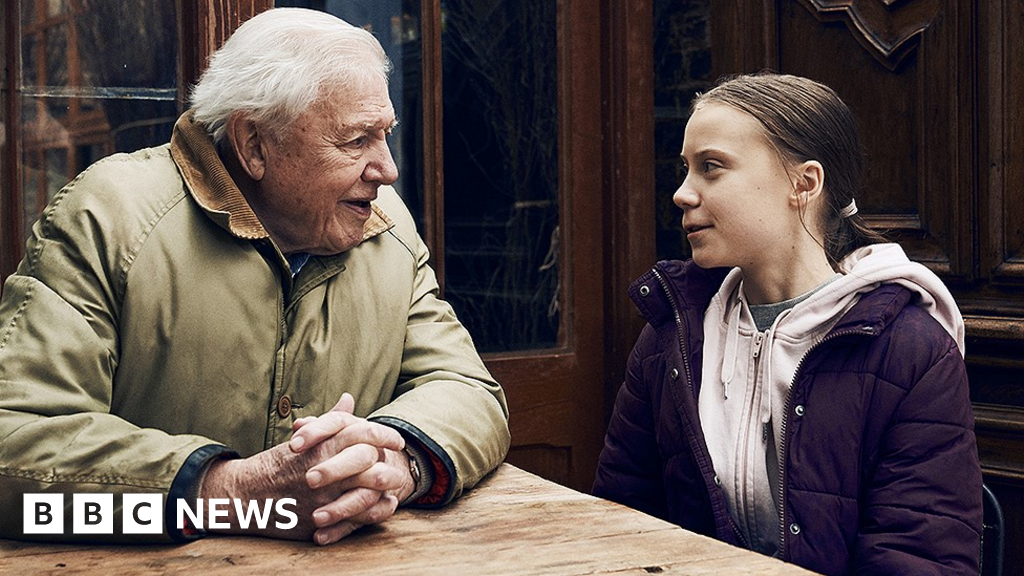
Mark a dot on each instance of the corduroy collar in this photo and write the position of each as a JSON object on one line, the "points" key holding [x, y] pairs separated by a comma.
{"points": [[213, 189]]}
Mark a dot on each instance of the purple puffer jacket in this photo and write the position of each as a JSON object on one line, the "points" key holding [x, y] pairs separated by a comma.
{"points": [[881, 472]]}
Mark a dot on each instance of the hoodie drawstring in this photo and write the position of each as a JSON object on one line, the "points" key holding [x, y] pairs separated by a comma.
{"points": [[731, 342]]}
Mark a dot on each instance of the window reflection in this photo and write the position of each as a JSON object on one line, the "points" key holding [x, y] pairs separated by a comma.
{"points": [[682, 68], [3, 97], [501, 170], [96, 77]]}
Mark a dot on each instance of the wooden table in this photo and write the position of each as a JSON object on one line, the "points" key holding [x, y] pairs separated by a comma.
{"points": [[512, 523]]}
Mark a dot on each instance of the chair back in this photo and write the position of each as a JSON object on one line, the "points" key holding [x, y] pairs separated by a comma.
{"points": [[992, 535]]}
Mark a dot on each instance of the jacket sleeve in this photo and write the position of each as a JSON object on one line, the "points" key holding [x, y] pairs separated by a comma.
{"points": [[58, 353], [922, 512], [629, 470], [446, 399]]}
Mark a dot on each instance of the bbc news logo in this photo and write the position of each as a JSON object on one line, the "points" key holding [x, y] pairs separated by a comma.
{"points": [[143, 513]]}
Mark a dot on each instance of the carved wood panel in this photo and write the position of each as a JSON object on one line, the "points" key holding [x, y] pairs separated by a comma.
{"points": [[899, 66], [1004, 157], [886, 33]]}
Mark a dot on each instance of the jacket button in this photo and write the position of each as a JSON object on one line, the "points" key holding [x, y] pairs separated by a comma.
{"points": [[717, 481], [284, 406], [794, 528], [673, 374], [645, 290], [799, 410]]}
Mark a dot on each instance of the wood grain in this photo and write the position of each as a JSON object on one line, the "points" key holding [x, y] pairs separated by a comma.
{"points": [[512, 523]]}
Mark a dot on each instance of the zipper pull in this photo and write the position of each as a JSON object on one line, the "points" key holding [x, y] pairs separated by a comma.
{"points": [[757, 343]]}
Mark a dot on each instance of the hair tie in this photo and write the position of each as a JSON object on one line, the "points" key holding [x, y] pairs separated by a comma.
{"points": [[850, 209]]}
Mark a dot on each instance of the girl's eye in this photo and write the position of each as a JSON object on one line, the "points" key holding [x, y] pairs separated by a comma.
{"points": [[709, 166]]}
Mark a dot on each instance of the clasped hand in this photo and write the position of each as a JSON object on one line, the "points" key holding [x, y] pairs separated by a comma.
{"points": [[344, 472]]}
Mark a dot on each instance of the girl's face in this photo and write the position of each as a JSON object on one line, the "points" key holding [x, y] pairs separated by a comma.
{"points": [[736, 197]]}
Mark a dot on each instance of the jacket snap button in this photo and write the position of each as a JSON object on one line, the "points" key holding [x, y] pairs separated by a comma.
{"points": [[794, 528], [284, 406], [673, 374], [717, 481], [799, 410], [645, 290]]}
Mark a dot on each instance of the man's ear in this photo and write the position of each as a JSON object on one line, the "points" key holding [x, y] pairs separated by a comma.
{"points": [[248, 145], [808, 183]]}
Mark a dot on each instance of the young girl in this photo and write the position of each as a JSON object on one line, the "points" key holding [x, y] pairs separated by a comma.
{"points": [[800, 388]]}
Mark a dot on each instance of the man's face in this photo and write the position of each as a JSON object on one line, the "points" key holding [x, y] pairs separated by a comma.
{"points": [[321, 176]]}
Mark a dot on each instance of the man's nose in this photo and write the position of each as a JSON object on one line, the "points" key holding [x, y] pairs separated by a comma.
{"points": [[381, 167]]}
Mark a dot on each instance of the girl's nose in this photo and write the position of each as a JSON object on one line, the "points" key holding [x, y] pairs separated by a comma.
{"points": [[685, 196]]}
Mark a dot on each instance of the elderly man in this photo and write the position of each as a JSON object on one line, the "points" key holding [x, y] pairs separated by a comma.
{"points": [[246, 313]]}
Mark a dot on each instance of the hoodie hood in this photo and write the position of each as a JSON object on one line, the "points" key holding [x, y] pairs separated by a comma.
{"points": [[862, 271], [869, 267]]}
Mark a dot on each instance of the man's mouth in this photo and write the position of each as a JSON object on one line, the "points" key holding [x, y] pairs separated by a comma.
{"points": [[361, 207], [690, 229]]}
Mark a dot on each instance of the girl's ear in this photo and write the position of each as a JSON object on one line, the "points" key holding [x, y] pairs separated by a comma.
{"points": [[808, 183], [248, 145]]}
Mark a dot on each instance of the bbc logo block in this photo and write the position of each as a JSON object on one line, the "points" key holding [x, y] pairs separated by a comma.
{"points": [[44, 514], [142, 513], [92, 514]]}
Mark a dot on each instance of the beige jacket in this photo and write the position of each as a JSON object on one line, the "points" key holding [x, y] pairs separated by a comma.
{"points": [[153, 316]]}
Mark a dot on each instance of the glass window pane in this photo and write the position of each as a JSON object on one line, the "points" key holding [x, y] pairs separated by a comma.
{"points": [[97, 77], [5, 192], [58, 142], [396, 25], [101, 43], [55, 45], [32, 196], [682, 67], [501, 170], [55, 7]]}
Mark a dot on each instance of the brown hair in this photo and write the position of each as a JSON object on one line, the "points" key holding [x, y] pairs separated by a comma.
{"points": [[805, 120]]}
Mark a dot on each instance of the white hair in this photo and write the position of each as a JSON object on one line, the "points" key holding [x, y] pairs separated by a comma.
{"points": [[278, 64]]}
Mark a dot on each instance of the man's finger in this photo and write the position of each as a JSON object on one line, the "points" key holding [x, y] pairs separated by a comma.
{"points": [[318, 429], [335, 532], [299, 423], [344, 508], [379, 476], [346, 403], [379, 512], [366, 432], [351, 462]]}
